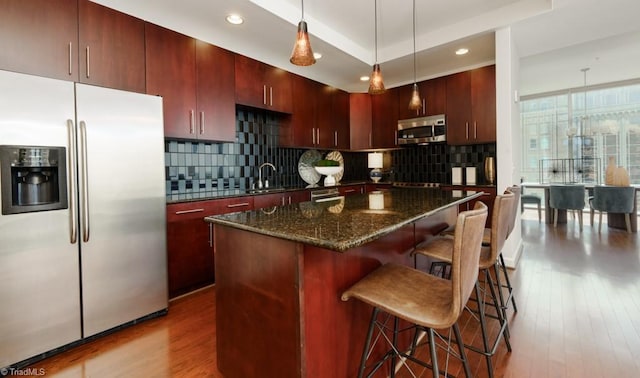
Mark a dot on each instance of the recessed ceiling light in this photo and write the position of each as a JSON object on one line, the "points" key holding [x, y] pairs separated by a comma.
{"points": [[235, 19], [364, 78], [317, 55], [462, 51]]}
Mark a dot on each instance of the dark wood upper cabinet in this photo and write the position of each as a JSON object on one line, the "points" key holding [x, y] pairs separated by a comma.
{"points": [[111, 48], [262, 86], [196, 81], [300, 129], [341, 127], [171, 73], [434, 97], [360, 121], [215, 83], [471, 107], [40, 37], [384, 116]]}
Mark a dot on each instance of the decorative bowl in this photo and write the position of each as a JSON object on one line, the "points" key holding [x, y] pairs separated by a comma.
{"points": [[329, 172]]}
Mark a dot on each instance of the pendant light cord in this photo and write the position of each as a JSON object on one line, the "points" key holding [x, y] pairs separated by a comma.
{"points": [[375, 21], [414, 41], [303, 9]]}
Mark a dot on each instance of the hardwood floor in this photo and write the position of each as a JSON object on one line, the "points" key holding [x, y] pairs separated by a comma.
{"points": [[578, 296]]}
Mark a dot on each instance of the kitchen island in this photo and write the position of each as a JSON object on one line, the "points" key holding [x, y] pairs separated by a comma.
{"points": [[280, 272]]}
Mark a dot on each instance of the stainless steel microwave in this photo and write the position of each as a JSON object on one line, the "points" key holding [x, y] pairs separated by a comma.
{"points": [[422, 130]]}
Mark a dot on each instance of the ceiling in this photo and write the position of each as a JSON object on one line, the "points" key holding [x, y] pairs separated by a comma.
{"points": [[554, 39]]}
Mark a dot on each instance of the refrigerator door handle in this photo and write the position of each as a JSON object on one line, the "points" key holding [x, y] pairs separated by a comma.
{"points": [[73, 192], [84, 179]]}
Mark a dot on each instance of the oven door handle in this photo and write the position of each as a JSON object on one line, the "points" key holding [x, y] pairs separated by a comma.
{"points": [[71, 175], [84, 179]]}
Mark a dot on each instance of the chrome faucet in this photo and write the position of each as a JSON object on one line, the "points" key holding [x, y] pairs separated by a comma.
{"points": [[266, 182]]}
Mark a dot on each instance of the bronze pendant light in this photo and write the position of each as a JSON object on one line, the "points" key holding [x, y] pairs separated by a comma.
{"points": [[376, 85], [415, 103], [302, 54]]}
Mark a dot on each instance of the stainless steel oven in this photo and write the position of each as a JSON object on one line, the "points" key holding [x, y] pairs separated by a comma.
{"points": [[33, 178]]}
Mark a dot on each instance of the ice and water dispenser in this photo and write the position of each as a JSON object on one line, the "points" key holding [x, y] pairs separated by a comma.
{"points": [[33, 178]]}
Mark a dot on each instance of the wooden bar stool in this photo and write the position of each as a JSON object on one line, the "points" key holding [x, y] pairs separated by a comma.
{"points": [[423, 300], [441, 249]]}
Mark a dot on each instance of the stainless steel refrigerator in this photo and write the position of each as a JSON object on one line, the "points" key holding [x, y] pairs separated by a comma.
{"points": [[85, 251]]}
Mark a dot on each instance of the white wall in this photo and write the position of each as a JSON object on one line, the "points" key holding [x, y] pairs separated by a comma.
{"points": [[508, 131]]}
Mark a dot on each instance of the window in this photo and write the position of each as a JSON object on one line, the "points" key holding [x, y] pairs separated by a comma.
{"points": [[586, 126]]}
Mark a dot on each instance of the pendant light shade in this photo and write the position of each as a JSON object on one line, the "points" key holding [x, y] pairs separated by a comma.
{"points": [[302, 54], [415, 103], [376, 85]]}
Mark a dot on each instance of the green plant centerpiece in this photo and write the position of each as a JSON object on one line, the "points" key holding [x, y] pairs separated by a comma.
{"points": [[328, 168]]}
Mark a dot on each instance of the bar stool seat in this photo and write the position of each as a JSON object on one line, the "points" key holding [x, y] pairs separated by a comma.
{"points": [[426, 301]]}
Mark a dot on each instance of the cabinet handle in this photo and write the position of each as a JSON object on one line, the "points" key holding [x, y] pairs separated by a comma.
{"points": [[466, 129], [238, 205], [313, 136], [318, 135], [210, 235], [88, 70], [264, 94], [424, 106], [289, 200], [70, 59], [270, 96], [475, 130], [335, 138], [201, 123], [282, 201], [370, 140], [349, 190], [180, 212], [192, 121]]}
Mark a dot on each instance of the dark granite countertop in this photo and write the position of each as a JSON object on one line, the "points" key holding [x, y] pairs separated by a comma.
{"points": [[347, 222]]}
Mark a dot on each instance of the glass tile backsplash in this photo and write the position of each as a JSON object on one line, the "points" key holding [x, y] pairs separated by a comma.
{"points": [[207, 169]]}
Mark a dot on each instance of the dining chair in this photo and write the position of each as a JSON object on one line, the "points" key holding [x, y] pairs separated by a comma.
{"points": [[613, 199], [566, 197]]}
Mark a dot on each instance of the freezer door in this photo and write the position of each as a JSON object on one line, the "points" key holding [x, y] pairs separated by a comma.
{"points": [[122, 206], [39, 267]]}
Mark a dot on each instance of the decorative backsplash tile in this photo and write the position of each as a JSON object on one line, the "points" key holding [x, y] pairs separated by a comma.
{"points": [[206, 169]]}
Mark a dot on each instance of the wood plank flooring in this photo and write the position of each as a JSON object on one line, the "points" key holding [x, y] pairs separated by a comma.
{"points": [[578, 297]]}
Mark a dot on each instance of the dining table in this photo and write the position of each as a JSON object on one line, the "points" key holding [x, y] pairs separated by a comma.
{"points": [[613, 220]]}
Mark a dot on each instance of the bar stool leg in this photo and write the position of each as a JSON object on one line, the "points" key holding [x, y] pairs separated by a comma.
{"points": [[509, 287], [499, 311], [483, 329], [367, 342], [463, 354], [434, 355]]}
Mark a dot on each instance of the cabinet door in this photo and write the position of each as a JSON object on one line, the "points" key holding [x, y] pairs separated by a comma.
{"points": [[360, 121], [434, 94], [269, 200], [279, 93], [300, 196], [216, 115], [190, 256], [300, 130], [249, 82], [385, 119], [40, 37], [324, 121], [171, 73], [458, 108], [341, 120], [111, 48], [483, 104]]}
